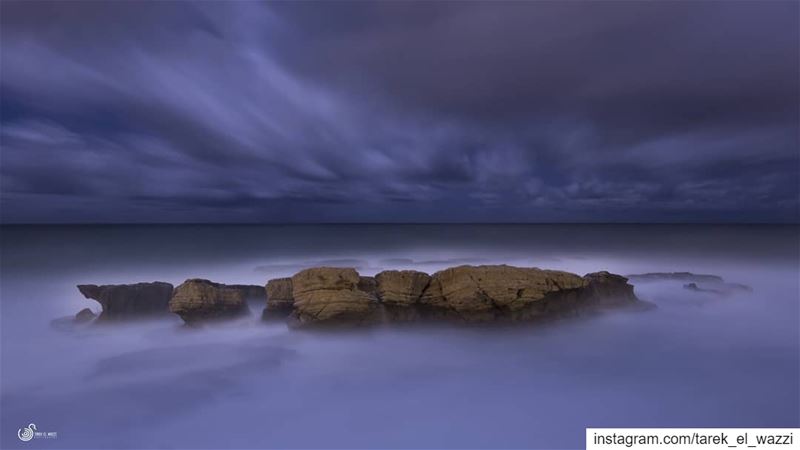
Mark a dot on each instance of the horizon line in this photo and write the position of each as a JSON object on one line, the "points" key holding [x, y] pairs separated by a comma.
{"points": [[15, 224]]}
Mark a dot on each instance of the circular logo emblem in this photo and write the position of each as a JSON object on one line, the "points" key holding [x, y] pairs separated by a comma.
{"points": [[26, 434]]}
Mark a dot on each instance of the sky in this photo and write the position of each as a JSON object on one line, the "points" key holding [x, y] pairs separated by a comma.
{"points": [[287, 112]]}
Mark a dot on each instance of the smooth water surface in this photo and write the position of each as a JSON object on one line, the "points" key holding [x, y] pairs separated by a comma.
{"points": [[698, 360]]}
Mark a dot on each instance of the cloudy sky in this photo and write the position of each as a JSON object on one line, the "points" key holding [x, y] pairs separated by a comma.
{"points": [[399, 111]]}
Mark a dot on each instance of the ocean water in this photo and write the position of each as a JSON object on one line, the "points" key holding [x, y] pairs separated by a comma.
{"points": [[697, 360]]}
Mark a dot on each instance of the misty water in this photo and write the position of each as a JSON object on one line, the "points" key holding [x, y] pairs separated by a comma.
{"points": [[697, 360]]}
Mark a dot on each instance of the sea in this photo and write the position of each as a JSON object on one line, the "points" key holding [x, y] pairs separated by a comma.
{"points": [[700, 358]]}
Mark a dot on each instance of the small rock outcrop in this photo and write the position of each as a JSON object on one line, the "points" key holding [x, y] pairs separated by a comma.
{"points": [[694, 287], [85, 315], [721, 289], [199, 300], [712, 284], [676, 276], [129, 301], [329, 295]]}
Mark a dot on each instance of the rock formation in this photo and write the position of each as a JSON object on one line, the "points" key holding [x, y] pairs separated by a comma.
{"points": [[490, 293], [466, 293], [340, 296], [197, 300], [332, 295], [127, 301]]}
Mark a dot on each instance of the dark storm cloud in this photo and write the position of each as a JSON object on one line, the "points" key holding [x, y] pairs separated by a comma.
{"points": [[399, 111]]}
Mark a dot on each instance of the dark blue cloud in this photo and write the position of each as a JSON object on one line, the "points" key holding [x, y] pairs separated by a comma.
{"points": [[305, 111]]}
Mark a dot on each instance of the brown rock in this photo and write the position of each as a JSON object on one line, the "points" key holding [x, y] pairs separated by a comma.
{"points": [[128, 301], [400, 292], [485, 293], [432, 294], [197, 300], [401, 287], [279, 294], [328, 295], [466, 293]]}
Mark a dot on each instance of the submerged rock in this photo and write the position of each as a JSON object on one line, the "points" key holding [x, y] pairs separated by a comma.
{"points": [[85, 315], [82, 318], [466, 293], [713, 284], [675, 276], [694, 287], [128, 301], [199, 300], [328, 295], [731, 287], [721, 289]]}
